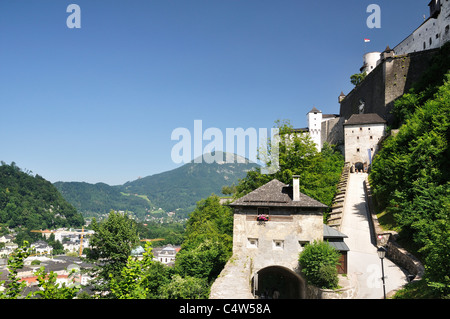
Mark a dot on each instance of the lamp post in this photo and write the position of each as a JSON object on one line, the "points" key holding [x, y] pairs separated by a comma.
{"points": [[381, 253]]}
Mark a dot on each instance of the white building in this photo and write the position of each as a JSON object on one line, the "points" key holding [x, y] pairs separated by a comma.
{"points": [[432, 33], [362, 132], [371, 60], [315, 127], [165, 255], [41, 247]]}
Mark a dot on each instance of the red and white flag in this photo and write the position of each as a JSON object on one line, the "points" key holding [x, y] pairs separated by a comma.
{"points": [[366, 40]]}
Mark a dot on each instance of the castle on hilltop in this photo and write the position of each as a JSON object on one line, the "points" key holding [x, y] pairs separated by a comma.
{"points": [[366, 110], [273, 223]]}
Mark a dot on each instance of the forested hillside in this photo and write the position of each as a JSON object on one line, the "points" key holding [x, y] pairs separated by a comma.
{"points": [[32, 202], [183, 187], [96, 199], [410, 175]]}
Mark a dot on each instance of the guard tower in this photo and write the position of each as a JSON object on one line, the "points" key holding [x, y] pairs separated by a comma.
{"points": [[271, 226], [315, 127]]}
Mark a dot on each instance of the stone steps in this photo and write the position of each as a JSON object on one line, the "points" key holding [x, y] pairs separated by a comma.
{"points": [[337, 207]]}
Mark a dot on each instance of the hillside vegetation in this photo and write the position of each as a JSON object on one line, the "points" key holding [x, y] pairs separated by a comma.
{"points": [[93, 200], [410, 175], [319, 171], [31, 202], [183, 187]]}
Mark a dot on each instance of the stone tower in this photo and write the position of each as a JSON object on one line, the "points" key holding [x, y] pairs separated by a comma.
{"points": [[315, 127], [271, 226]]}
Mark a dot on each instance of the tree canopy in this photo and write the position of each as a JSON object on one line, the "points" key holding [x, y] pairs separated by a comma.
{"points": [[31, 202], [319, 171], [111, 245]]}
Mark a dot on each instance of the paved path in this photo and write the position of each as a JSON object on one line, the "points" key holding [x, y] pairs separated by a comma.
{"points": [[363, 261]]}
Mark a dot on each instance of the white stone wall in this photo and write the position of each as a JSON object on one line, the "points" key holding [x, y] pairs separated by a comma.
{"points": [[277, 241], [315, 127], [360, 138], [433, 33], [371, 60]]}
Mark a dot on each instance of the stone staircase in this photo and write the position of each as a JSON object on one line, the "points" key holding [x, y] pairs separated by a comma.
{"points": [[337, 208]]}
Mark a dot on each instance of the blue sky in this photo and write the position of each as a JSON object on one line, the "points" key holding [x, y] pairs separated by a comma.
{"points": [[99, 103]]}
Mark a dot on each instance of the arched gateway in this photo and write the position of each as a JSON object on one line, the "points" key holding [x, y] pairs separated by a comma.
{"points": [[276, 282], [271, 226]]}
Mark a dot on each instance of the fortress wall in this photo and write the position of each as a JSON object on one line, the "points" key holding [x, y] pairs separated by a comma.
{"points": [[371, 91], [391, 79], [333, 131]]}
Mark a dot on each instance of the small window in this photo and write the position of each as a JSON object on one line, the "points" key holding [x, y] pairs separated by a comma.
{"points": [[303, 243], [371, 137], [357, 150], [252, 243], [278, 244], [447, 28], [371, 149], [368, 128], [360, 128]]}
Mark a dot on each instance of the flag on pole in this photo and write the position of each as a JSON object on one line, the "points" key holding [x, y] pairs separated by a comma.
{"points": [[366, 40]]}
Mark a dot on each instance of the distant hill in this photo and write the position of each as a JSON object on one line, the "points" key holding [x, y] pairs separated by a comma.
{"points": [[182, 187], [175, 190], [32, 202], [93, 200]]}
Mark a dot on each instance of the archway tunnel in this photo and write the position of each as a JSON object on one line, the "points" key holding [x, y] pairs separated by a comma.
{"points": [[359, 166], [276, 282]]}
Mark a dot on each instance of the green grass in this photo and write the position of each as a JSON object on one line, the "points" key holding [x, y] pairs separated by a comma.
{"points": [[415, 290], [387, 221], [141, 196]]}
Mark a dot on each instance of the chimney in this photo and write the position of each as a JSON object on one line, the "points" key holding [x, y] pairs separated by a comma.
{"points": [[296, 188]]}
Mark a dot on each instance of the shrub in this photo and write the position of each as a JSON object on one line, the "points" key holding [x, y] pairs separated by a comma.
{"points": [[316, 262], [328, 277]]}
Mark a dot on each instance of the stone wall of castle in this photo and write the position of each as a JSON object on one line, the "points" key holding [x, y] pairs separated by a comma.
{"points": [[275, 242], [392, 78], [333, 132], [431, 34]]}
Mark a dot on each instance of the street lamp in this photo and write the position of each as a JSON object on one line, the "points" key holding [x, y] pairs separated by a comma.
{"points": [[381, 253]]}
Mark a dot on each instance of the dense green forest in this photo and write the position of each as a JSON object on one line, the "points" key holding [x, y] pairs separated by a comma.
{"points": [[31, 202], [94, 200], [410, 175]]}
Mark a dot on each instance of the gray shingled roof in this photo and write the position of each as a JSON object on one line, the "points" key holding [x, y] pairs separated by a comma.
{"points": [[339, 245], [370, 118], [314, 110], [335, 238], [276, 193], [330, 232]]}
